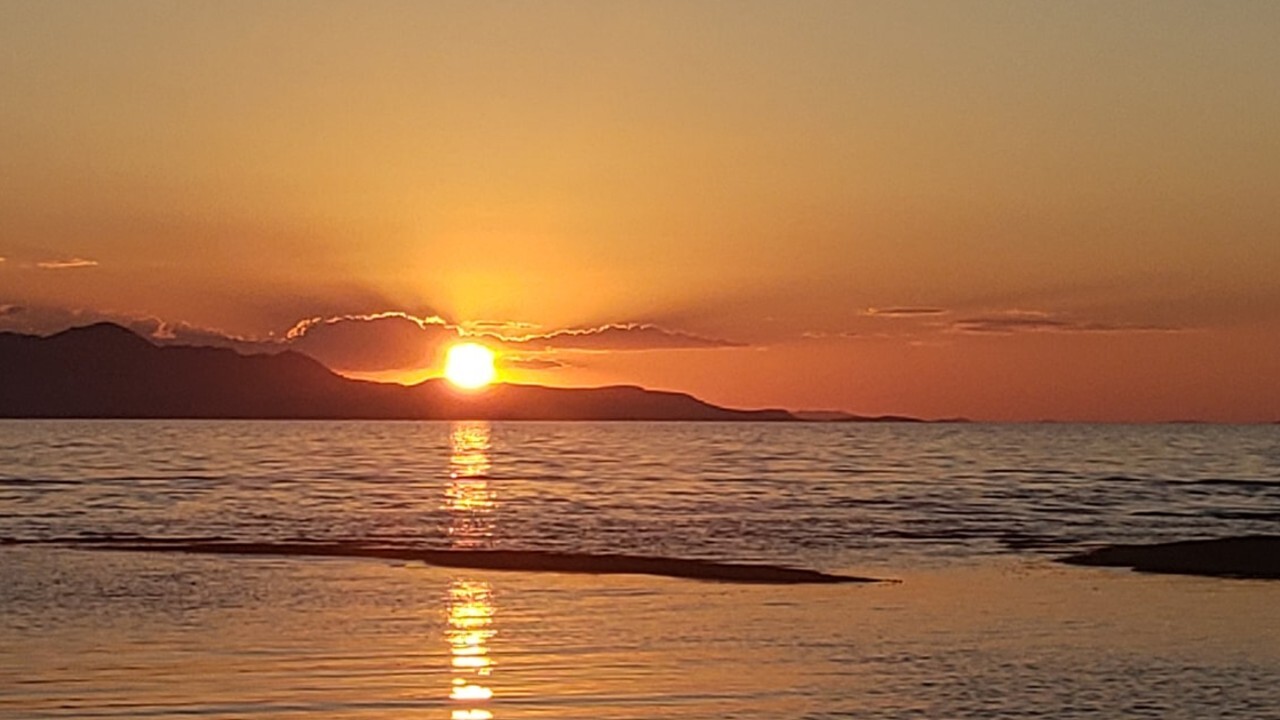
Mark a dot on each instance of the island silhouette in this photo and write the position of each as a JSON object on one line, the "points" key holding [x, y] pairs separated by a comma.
{"points": [[108, 371]]}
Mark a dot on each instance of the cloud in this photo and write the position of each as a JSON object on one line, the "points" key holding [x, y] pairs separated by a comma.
{"points": [[47, 320], [621, 337], [302, 327], [1019, 321], [373, 342], [531, 363], [390, 341], [44, 320], [182, 333], [904, 311], [500, 327], [843, 335], [69, 264], [399, 341]]}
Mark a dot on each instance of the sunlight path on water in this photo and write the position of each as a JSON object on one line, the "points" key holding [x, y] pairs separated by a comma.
{"points": [[470, 504]]}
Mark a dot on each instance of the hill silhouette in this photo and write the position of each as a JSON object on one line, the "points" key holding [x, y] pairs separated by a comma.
{"points": [[107, 371]]}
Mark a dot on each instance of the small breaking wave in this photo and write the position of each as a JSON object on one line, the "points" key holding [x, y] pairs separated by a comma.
{"points": [[1251, 485], [514, 560]]}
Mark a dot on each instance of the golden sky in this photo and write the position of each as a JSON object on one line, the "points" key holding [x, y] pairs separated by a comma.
{"points": [[1000, 210]]}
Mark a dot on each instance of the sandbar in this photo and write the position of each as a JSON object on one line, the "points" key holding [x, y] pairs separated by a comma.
{"points": [[1254, 556], [517, 560]]}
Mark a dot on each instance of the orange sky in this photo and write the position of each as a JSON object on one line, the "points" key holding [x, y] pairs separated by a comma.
{"points": [[985, 209]]}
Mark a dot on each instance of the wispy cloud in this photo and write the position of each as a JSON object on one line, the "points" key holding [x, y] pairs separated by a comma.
{"points": [[622, 337], [46, 320], [69, 264], [500, 327], [1022, 321], [532, 363], [904, 311], [378, 341], [304, 326], [387, 341], [826, 335]]}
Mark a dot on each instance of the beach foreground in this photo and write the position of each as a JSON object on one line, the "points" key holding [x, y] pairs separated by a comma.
{"points": [[90, 634]]}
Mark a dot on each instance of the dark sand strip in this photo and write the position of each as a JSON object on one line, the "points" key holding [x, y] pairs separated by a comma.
{"points": [[1256, 556], [520, 560]]}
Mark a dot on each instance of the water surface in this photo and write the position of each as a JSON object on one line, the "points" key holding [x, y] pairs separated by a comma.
{"points": [[968, 516]]}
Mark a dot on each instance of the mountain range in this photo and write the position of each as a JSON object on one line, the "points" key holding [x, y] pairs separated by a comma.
{"points": [[107, 371]]}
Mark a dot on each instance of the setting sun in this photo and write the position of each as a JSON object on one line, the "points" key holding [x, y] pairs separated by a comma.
{"points": [[469, 366]]}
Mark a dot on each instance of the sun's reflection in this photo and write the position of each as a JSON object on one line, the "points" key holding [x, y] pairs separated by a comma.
{"points": [[468, 498], [471, 627], [470, 502], [469, 442]]}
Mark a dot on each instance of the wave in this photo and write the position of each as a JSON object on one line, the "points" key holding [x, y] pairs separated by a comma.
{"points": [[34, 482], [517, 560], [1263, 516], [1258, 515], [1240, 484], [89, 480], [1260, 485]]}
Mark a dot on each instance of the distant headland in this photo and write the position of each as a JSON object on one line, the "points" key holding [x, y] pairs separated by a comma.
{"points": [[107, 371]]}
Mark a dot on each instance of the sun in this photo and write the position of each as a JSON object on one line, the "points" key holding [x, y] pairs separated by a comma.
{"points": [[469, 366]]}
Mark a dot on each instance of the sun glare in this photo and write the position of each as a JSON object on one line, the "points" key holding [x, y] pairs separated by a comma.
{"points": [[469, 366]]}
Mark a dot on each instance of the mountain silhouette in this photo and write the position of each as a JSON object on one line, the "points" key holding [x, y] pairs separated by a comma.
{"points": [[107, 371]]}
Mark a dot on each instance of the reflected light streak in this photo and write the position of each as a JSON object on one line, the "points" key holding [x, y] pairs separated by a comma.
{"points": [[462, 662], [469, 443], [468, 497], [470, 502], [471, 612], [470, 692]]}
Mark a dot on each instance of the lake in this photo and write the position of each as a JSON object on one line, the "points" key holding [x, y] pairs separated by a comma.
{"points": [[968, 517]]}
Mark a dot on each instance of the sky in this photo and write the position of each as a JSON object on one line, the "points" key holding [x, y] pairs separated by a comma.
{"points": [[995, 210]]}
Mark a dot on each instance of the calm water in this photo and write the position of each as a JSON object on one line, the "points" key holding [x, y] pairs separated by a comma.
{"points": [[984, 624]]}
